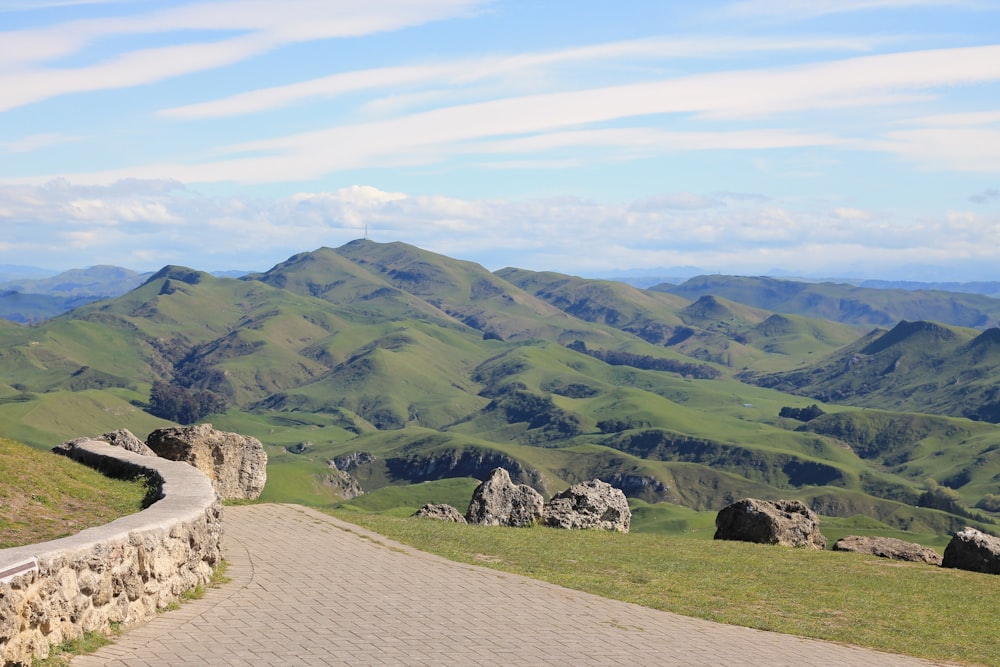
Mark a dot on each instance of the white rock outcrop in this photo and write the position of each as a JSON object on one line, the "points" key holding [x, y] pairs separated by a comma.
{"points": [[500, 502], [593, 504], [236, 464]]}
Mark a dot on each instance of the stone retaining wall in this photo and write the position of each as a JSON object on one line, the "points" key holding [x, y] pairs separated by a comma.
{"points": [[120, 573]]}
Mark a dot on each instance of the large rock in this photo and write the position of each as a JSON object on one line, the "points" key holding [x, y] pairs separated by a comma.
{"points": [[126, 440], [785, 522], [888, 547], [441, 512], [973, 550], [236, 464], [593, 504], [500, 502]]}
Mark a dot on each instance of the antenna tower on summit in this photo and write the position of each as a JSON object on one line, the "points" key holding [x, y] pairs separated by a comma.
{"points": [[366, 231]]}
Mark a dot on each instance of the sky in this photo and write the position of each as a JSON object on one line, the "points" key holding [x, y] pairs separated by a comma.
{"points": [[847, 138]]}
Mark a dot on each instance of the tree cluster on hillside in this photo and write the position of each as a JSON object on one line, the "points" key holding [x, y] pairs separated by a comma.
{"points": [[885, 436], [623, 424], [801, 414], [183, 405], [990, 502], [987, 412], [947, 500], [540, 413], [647, 362]]}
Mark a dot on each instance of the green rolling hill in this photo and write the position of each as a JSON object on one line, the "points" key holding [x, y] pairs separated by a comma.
{"points": [[410, 370], [916, 366]]}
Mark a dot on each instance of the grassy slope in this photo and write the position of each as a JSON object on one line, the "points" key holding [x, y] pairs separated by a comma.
{"points": [[53, 417], [44, 496], [332, 344], [711, 329], [907, 608]]}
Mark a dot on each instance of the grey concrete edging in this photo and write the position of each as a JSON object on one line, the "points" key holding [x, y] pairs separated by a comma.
{"points": [[119, 573]]}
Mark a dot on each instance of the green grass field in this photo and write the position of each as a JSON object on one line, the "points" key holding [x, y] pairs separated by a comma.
{"points": [[908, 608]]}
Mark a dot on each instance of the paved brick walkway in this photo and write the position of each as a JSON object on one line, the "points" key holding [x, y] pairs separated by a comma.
{"points": [[308, 589]]}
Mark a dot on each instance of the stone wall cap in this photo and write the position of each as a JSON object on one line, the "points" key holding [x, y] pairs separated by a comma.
{"points": [[187, 494]]}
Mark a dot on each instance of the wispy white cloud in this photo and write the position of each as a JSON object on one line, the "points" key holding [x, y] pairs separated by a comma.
{"points": [[35, 142], [509, 68], [961, 141], [532, 123], [797, 10], [146, 225], [602, 116], [970, 149], [957, 119], [35, 5], [252, 27]]}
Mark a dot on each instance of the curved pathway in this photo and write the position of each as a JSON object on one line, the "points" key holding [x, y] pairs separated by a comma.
{"points": [[309, 589]]}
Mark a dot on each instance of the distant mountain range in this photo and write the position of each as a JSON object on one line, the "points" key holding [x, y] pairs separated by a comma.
{"points": [[395, 365], [849, 304], [30, 295]]}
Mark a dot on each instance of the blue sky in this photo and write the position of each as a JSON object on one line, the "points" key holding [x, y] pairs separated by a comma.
{"points": [[825, 138]]}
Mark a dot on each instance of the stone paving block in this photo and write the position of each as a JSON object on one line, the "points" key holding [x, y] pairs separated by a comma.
{"points": [[308, 589]]}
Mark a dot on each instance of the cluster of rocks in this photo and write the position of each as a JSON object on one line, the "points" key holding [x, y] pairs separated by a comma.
{"points": [[497, 501], [791, 523], [236, 464]]}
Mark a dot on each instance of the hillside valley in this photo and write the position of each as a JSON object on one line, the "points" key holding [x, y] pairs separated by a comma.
{"points": [[409, 374]]}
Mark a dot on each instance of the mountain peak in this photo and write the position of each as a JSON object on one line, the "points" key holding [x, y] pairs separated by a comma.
{"points": [[179, 273], [920, 332]]}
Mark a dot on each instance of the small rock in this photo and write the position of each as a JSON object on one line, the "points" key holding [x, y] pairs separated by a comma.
{"points": [[888, 547], [786, 522], [500, 502], [126, 440], [441, 512]]}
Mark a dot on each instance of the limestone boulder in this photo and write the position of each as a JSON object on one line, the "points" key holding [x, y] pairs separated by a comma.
{"points": [[126, 440], [888, 547], [973, 550], [441, 512], [236, 464], [785, 522], [500, 502], [593, 504]]}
